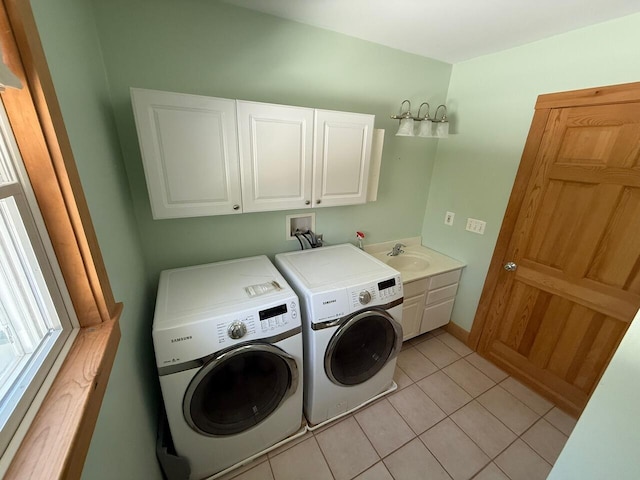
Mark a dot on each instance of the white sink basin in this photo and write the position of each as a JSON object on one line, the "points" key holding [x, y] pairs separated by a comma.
{"points": [[407, 262]]}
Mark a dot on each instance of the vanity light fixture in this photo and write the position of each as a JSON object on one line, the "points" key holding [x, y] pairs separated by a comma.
{"points": [[441, 129], [406, 121], [427, 127]]}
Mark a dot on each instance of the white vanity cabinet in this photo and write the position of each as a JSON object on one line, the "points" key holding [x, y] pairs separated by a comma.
{"points": [[342, 153], [276, 156], [428, 303], [189, 151]]}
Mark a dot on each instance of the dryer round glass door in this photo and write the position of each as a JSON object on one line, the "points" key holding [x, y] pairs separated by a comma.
{"points": [[361, 347], [239, 388]]}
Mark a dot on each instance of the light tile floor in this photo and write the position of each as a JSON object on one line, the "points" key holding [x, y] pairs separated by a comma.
{"points": [[455, 416]]}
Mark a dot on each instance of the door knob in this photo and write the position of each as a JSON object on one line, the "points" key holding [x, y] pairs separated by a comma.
{"points": [[510, 266]]}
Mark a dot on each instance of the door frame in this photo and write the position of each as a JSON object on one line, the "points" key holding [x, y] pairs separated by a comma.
{"points": [[623, 93]]}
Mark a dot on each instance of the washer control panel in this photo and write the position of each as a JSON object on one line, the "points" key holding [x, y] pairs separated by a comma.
{"points": [[378, 293]]}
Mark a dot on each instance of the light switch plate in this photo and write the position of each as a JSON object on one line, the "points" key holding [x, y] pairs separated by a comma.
{"points": [[476, 226]]}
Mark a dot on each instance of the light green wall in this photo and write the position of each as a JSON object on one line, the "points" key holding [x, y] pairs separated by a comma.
{"points": [[123, 444], [493, 99], [209, 48]]}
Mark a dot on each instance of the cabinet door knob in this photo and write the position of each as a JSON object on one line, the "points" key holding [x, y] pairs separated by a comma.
{"points": [[236, 207], [307, 202], [318, 202]]}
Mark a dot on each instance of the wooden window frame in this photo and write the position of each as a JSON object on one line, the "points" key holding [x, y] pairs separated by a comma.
{"points": [[57, 441]]}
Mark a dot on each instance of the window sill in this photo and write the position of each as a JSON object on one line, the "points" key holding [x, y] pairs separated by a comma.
{"points": [[57, 441]]}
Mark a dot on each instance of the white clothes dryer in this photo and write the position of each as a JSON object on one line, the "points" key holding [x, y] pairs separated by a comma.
{"points": [[228, 347], [352, 326]]}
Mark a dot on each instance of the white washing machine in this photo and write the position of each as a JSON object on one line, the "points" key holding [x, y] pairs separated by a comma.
{"points": [[352, 314], [228, 346]]}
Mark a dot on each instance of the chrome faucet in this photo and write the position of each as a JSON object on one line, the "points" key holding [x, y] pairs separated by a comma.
{"points": [[396, 250]]}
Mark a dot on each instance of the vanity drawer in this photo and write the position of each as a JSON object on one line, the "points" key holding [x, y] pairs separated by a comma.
{"points": [[444, 279], [413, 289], [440, 294]]}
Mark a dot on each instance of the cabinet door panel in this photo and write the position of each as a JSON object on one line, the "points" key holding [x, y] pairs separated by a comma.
{"points": [[411, 316], [275, 156], [342, 157], [189, 152], [436, 316]]}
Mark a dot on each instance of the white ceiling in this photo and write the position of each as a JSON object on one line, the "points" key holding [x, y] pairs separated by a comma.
{"points": [[447, 30]]}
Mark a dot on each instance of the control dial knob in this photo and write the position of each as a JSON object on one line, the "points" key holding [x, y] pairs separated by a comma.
{"points": [[237, 330], [365, 297]]}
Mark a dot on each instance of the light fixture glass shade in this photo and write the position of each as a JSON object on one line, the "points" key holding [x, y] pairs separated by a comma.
{"points": [[406, 128], [425, 129], [441, 129]]}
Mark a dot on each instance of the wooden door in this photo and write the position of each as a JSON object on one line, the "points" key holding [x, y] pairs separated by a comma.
{"points": [[276, 155], [342, 155], [573, 230]]}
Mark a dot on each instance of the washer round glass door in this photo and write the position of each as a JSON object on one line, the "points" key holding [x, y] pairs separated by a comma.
{"points": [[239, 388], [361, 347]]}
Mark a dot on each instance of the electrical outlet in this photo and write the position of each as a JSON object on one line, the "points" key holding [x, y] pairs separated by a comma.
{"points": [[448, 218], [476, 226]]}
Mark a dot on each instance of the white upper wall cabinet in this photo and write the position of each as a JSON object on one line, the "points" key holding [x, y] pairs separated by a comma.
{"points": [[341, 157], [276, 154], [190, 153], [215, 156]]}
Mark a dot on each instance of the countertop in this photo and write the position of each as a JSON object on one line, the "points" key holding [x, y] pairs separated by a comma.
{"points": [[437, 262]]}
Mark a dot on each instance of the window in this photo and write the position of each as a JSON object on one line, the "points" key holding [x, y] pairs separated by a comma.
{"points": [[56, 441], [34, 320]]}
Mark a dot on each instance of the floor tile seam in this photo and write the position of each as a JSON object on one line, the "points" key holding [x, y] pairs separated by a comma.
{"points": [[374, 447], [273, 473], [461, 406], [516, 380], [554, 425], [433, 454], [450, 348], [465, 434], [486, 453], [444, 345], [405, 421], [457, 384], [497, 466], [511, 429], [324, 457], [551, 424], [481, 449], [331, 424], [534, 448], [468, 392]]}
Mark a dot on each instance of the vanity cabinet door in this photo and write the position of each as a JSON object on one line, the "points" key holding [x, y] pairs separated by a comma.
{"points": [[276, 148], [190, 153], [412, 309], [342, 155]]}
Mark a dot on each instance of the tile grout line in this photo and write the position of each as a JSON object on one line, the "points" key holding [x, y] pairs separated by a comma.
{"points": [[447, 416]]}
